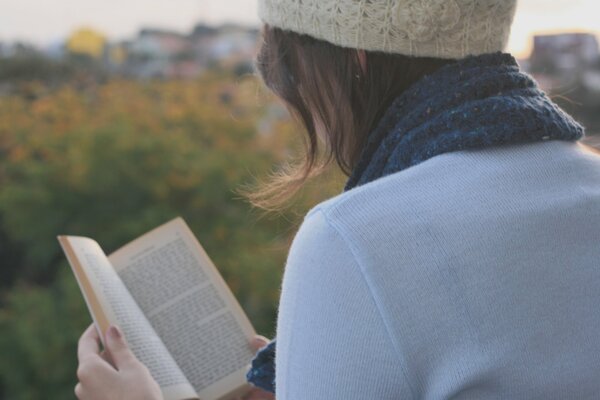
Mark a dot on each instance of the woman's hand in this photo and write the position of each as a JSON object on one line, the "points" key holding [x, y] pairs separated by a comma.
{"points": [[116, 373], [113, 374], [256, 393]]}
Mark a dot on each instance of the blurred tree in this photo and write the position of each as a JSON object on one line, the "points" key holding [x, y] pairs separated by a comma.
{"points": [[34, 67], [86, 41], [11, 255], [111, 162], [39, 328]]}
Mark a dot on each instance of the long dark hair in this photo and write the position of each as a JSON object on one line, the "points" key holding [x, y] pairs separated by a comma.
{"points": [[319, 81]]}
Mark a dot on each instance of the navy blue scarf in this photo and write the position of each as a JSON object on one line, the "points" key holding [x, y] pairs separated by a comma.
{"points": [[479, 101], [476, 102]]}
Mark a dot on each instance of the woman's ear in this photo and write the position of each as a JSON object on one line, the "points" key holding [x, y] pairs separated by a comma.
{"points": [[362, 58]]}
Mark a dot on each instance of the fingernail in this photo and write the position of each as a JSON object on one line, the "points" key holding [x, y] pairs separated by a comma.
{"points": [[115, 332]]}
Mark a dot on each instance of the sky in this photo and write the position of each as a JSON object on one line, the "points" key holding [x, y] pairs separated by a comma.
{"points": [[44, 22]]}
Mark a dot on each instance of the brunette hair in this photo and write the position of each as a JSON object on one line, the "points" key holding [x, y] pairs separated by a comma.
{"points": [[322, 83]]}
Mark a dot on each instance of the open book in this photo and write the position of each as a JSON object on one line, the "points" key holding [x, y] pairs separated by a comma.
{"points": [[177, 313]]}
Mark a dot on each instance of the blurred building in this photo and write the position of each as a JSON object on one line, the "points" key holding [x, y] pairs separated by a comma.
{"points": [[563, 52], [156, 53], [229, 44], [557, 60], [568, 67]]}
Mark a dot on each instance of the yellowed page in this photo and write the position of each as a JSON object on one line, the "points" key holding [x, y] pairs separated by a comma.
{"points": [[589, 149], [89, 295], [109, 302], [190, 307]]}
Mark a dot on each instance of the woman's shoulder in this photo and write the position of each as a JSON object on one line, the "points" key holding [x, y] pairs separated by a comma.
{"points": [[463, 251], [459, 187]]}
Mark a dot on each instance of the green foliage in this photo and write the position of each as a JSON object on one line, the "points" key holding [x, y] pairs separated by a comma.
{"points": [[112, 162], [40, 327]]}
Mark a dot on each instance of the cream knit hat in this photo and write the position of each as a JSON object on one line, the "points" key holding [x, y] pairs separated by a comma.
{"points": [[426, 28]]}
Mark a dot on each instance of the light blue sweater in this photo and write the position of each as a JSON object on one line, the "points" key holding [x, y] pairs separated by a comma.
{"points": [[472, 275]]}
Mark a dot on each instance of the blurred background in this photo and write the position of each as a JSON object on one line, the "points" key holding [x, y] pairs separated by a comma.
{"points": [[116, 116]]}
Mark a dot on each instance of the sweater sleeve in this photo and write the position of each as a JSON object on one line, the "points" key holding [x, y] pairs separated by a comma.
{"points": [[331, 340]]}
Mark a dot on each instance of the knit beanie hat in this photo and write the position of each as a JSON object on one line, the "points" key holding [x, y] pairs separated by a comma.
{"points": [[424, 28]]}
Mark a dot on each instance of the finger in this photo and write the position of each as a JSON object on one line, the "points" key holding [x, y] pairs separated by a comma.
{"points": [[94, 376], [106, 357], [89, 344], [258, 342], [79, 391], [116, 345]]}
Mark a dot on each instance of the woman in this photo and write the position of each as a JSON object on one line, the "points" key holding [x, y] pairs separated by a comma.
{"points": [[462, 259]]}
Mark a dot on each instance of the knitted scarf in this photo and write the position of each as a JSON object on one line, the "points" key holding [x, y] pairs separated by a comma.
{"points": [[475, 102]]}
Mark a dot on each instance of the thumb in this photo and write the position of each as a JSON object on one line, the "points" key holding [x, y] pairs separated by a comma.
{"points": [[258, 342], [119, 351]]}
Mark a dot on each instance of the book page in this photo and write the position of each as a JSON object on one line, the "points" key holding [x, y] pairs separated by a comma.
{"points": [[190, 307], [588, 149], [110, 303]]}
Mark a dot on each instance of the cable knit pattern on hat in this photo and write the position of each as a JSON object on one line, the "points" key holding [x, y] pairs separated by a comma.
{"points": [[424, 28]]}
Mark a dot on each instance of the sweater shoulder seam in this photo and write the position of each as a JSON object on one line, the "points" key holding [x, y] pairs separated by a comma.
{"points": [[353, 251]]}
